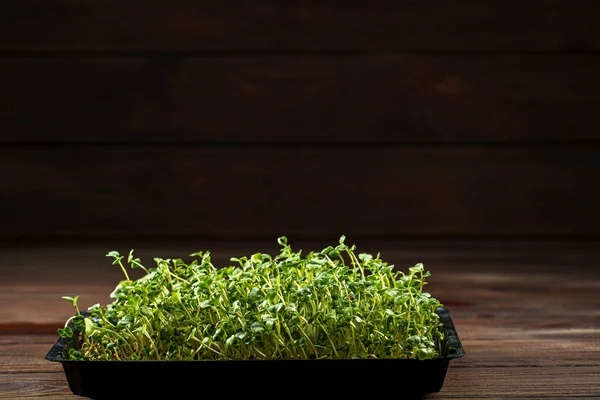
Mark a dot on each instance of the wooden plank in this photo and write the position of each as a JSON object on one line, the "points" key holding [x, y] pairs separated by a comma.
{"points": [[329, 99], [488, 303], [520, 383], [271, 25], [529, 328], [515, 382], [269, 192], [498, 291], [36, 385], [484, 314], [21, 353]]}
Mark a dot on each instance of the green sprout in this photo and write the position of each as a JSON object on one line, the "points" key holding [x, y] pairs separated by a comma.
{"points": [[335, 303]]}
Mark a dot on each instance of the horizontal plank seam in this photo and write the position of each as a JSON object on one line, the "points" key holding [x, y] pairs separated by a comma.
{"points": [[21, 344], [235, 53], [82, 238], [35, 372], [544, 366], [23, 328], [522, 397], [308, 145]]}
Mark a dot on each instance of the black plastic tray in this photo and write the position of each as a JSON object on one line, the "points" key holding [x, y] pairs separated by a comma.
{"points": [[403, 378]]}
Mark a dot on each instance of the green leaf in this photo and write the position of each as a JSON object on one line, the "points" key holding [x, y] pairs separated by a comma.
{"points": [[147, 311], [75, 354], [65, 332], [90, 328], [130, 256], [230, 340], [327, 250], [417, 268], [126, 320], [113, 253], [73, 300], [365, 257], [425, 354], [254, 293], [276, 307], [204, 304]]}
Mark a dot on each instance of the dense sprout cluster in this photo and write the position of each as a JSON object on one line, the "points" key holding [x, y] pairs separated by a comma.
{"points": [[330, 304]]}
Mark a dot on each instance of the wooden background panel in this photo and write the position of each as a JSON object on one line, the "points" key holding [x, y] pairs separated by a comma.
{"points": [[363, 99], [164, 192], [269, 25]]}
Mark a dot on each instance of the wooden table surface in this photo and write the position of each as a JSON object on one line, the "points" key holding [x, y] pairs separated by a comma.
{"points": [[527, 313]]}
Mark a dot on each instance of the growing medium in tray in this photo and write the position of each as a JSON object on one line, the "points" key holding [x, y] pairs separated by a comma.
{"points": [[330, 304]]}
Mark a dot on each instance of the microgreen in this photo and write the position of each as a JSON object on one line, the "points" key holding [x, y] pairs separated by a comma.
{"points": [[329, 304]]}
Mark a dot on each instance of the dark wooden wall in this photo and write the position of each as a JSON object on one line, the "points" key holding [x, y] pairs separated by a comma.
{"points": [[241, 119]]}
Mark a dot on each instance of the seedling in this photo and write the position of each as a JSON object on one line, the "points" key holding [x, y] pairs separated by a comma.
{"points": [[329, 304]]}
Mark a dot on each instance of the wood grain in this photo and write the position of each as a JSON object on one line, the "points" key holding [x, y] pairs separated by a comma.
{"points": [[331, 99], [271, 25], [526, 312], [30, 385], [269, 192], [520, 383], [501, 287]]}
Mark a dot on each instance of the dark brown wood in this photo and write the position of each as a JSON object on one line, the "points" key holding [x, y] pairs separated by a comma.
{"points": [[496, 283], [261, 25], [268, 192], [328, 99], [526, 312]]}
